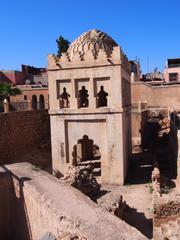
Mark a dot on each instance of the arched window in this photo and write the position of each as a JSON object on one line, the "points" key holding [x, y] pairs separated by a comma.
{"points": [[64, 99], [41, 102], [83, 97], [85, 152], [34, 102], [102, 97]]}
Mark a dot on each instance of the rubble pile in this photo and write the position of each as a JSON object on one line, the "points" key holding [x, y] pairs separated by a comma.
{"points": [[113, 203], [82, 179]]}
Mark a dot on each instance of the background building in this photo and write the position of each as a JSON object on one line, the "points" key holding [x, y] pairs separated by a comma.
{"points": [[172, 70], [33, 84]]}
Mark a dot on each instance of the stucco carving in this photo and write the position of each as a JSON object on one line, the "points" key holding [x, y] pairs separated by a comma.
{"points": [[93, 40]]}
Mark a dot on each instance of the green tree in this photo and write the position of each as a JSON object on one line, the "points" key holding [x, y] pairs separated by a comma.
{"points": [[7, 90], [63, 45]]}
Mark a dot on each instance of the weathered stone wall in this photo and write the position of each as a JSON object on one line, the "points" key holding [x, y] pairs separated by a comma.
{"points": [[21, 132]]}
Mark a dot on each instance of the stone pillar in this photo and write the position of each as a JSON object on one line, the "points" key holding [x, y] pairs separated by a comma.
{"points": [[139, 106], [92, 102], [169, 113], [92, 98], [29, 105], [145, 104], [74, 94], [132, 77], [6, 106], [79, 153]]}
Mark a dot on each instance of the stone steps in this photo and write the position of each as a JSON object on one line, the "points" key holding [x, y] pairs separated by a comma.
{"points": [[96, 164]]}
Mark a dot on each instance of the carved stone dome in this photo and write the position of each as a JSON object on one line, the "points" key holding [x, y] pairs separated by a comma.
{"points": [[93, 40]]}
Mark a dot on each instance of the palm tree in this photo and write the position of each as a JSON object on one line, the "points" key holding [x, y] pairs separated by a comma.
{"points": [[63, 45], [7, 90]]}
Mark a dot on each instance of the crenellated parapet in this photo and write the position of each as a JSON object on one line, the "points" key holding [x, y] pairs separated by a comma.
{"points": [[88, 59], [92, 48]]}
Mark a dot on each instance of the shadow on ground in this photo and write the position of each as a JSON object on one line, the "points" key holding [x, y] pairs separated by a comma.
{"points": [[140, 168], [139, 221]]}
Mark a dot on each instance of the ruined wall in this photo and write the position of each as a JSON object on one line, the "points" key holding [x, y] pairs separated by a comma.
{"points": [[163, 96], [166, 212], [51, 206], [166, 200], [21, 132]]}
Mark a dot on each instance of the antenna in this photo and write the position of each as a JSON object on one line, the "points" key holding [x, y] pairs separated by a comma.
{"points": [[147, 64]]}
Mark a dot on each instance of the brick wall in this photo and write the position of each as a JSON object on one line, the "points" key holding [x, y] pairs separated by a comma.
{"points": [[21, 132]]}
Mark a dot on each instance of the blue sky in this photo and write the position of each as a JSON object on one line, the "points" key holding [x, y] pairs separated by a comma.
{"points": [[146, 29]]}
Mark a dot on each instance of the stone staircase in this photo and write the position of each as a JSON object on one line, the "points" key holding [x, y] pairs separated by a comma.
{"points": [[95, 164], [168, 231]]}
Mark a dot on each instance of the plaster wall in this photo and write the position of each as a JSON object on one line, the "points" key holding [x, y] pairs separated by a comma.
{"points": [[161, 96]]}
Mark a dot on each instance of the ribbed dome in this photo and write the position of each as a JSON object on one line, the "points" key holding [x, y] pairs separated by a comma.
{"points": [[93, 40]]}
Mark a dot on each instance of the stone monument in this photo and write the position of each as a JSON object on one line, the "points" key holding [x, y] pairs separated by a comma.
{"points": [[90, 106]]}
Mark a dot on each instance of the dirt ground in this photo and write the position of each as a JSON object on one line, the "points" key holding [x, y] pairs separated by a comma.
{"points": [[137, 193], [139, 199]]}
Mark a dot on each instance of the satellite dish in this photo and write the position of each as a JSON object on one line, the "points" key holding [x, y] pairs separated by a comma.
{"points": [[27, 81]]}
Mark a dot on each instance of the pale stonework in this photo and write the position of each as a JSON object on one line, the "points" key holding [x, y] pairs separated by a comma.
{"points": [[93, 62]]}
